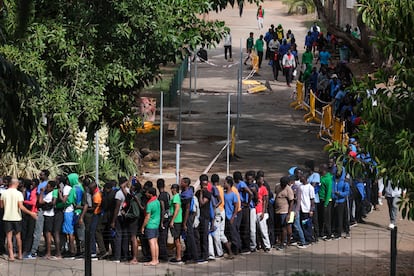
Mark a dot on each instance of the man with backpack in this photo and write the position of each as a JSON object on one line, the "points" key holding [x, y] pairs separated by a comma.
{"points": [[251, 184], [188, 221], [118, 223]]}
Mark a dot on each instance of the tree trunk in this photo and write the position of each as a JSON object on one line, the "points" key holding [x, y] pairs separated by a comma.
{"points": [[360, 48]]}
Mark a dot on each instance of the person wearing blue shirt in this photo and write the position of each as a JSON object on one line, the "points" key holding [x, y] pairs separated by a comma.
{"points": [[315, 179], [340, 95], [334, 86], [230, 209], [340, 195], [243, 222], [359, 199], [324, 57]]}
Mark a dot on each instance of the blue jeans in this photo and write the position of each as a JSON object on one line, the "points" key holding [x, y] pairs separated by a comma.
{"points": [[298, 229], [38, 231]]}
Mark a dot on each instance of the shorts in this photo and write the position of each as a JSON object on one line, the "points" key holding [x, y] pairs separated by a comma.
{"points": [[67, 227], [58, 222], [281, 220], [176, 230], [48, 224], [151, 233], [15, 226]]}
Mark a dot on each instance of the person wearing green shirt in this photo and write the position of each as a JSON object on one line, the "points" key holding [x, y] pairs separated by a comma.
{"points": [[176, 222], [259, 45], [151, 224], [307, 57], [325, 196], [249, 46]]}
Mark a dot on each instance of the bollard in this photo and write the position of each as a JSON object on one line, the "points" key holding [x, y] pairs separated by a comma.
{"points": [[393, 268], [88, 260]]}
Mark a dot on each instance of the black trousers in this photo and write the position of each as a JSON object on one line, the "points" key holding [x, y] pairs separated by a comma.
{"points": [[276, 69], [245, 228], [121, 239], [162, 240], [327, 222], [232, 235], [28, 227], [339, 214], [191, 252], [227, 49], [288, 74], [260, 55], [203, 232]]}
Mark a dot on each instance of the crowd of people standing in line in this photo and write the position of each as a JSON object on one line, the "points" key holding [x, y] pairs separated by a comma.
{"points": [[329, 81], [224, 218]]}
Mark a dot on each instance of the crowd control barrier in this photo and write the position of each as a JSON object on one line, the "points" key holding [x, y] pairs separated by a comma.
{"points": [[332, 129]]}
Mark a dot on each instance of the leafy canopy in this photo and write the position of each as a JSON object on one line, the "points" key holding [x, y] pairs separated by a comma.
{"points": [[88, 59], [389, 130]]}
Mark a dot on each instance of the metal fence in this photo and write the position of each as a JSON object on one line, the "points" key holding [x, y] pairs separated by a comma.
{"points": [[177, 81]]}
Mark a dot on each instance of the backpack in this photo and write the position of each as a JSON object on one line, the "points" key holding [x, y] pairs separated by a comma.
{"points": [[166, 213], [276, 56], [214, 195], [130, 207]]}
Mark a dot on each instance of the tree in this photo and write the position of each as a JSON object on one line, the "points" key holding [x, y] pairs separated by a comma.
{"points": [[89, 59], [293, 5], [388, 111], [361, 47]]}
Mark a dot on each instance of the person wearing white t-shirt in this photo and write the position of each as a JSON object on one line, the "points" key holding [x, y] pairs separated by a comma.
{"points": [[307, 207], [314, 179], [68, 213], [12, 202], [47, 203]]}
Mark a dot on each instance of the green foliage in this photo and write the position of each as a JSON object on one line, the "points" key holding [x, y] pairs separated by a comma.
{"points": [[354, 166], [90, 59], [295, 4], [392, 22], [30, 165], [119, 155], [388, 132], [118, 163]]}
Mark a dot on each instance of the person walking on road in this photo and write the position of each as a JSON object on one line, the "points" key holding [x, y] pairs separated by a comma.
{"points": [[260, 17], [393, 196], [227, 47], [289, 64], [259, 46], [249, 47]]}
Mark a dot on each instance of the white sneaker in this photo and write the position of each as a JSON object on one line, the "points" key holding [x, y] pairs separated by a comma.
{"points": [[391, 226]]}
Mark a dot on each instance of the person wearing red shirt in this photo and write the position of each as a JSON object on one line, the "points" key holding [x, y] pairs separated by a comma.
{"points": [[261, 214]]}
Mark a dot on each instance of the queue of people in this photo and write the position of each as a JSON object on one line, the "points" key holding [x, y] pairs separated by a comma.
{"points": [[239, 214]]}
